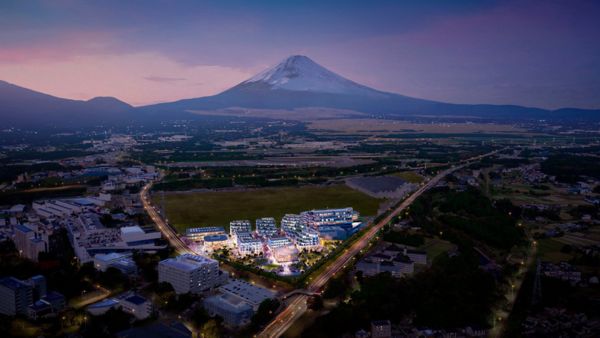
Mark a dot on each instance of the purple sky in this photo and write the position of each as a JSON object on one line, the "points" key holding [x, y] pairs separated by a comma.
{"points": [[536, 53]]}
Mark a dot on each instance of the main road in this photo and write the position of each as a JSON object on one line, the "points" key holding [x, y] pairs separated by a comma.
{"points": [[168, 232], [296, 308]]}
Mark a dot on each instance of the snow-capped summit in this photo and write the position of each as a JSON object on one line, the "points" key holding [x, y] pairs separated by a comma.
{"points": [[300, 73]]}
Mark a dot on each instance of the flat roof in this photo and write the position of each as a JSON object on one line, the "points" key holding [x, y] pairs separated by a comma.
{"points": [[13, 283], [230, 302], [110, 302], [201, 230], [187, 262], [215, 238], [132, 229], [110, 256], [247, 291], [136, 299]]}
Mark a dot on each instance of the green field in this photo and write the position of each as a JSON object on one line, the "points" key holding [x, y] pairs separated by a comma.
{"points": [[435, 247], [201, 209], [409, 176], [549, 250]]}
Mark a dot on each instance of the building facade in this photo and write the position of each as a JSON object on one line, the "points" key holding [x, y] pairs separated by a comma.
{"points": [[190, 273], [15, 296]]}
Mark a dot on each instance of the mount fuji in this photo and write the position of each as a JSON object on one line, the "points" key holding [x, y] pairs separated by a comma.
{"points": [[300, 73], [290, 89], [299, 82]]}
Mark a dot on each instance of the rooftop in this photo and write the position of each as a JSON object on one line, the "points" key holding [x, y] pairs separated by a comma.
{"points": [[13, 283], [136, 299], [215, 238], [229, 301], [187, 262], [247, 291], [109, 302], [111, 256], [135, 229], [204, 230]]}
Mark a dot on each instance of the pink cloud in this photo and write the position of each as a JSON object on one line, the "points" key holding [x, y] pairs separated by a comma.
{"points": [[124, 76], [61, 48]]}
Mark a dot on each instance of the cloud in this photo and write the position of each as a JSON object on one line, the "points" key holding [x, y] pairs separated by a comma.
{"points": [[164, 78], [124, 76]]}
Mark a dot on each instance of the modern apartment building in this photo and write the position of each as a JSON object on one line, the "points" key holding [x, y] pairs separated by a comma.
{"points": [[191, 273], [15, 296], [239, 226], [266, 227], [248, 245]]}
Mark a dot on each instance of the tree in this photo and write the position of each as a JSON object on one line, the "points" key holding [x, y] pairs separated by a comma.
{"points": [[335, 288], [210, 329], [315, 303], [147, 264], [266, 311], [199, 318]]}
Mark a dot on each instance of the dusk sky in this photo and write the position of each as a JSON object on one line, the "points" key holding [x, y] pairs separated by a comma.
{"points": [[536, 53]]}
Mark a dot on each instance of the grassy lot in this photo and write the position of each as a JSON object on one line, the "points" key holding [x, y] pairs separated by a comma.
{"points": [[409, 176], [521, 194], [186, 210], [435, 247], [549, 250]]}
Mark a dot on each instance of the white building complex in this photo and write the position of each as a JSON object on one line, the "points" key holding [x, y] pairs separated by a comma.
{"points": [[198, 234], [278, 242], [341, 217], [247, 244], [308, 239], [239, 226], [191, 273], [295, 227], [293, 223], [266, 227]]}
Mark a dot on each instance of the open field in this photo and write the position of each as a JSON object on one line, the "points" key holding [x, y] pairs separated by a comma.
{"points": [[525, 194], [298, 114], [409, 176], [577, 238], [435, 247], [375, 126], [549, 250], [196, 209]]}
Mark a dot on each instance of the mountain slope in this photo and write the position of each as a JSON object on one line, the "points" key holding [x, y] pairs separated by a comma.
{"points": [[299, 73], [299, 82], [22, 107]]}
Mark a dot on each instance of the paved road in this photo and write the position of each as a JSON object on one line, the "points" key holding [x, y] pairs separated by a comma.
{"points": [[168, 232], [297, 306]]}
